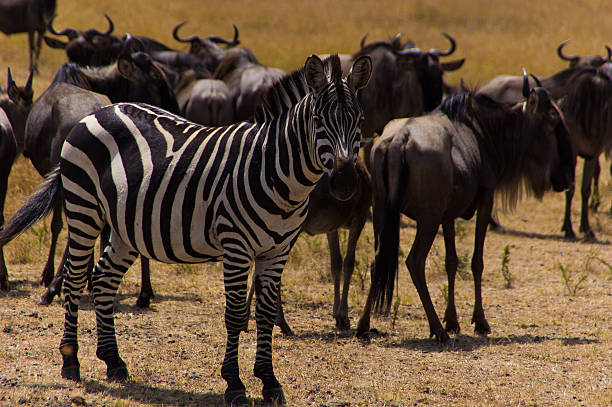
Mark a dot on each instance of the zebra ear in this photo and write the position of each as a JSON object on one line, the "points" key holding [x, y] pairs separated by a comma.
{"points": [[315, 73], [360, 72]]}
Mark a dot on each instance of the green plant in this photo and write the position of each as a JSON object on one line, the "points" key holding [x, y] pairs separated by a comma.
{"points": [[567, 274], [460, 230], [605, 263], [444, 292], [505, 270], [42, 234], [462, 266], [396, 305]]}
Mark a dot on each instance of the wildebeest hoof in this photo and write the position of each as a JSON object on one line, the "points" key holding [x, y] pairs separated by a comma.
{"points": [[441, 337], [72, 373], [117, 374], [274, 396], [343, 323], [453, 327], [590, 237], [482, 328], [143, 302], [236, 398]]}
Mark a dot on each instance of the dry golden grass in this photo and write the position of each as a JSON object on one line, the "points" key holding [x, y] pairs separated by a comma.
{"points": [[549, 345]]}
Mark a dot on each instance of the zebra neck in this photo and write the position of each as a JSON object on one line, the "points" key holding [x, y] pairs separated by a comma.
{"points": [[292, 170]]}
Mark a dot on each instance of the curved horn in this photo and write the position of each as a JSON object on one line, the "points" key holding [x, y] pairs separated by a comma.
{"points": [[571, 58], [609, 53], [69, 32], [111, 27], [179, 39], [537, 81], [525, 84], [362, 42], [220, 40], [453, 46]]}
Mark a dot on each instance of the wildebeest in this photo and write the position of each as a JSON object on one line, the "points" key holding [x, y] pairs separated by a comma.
{"points": [[577, 60], [449, 164], [405, 82], [207, 101], [15, 104], [588, 112], [27, 16], [134, 77]]}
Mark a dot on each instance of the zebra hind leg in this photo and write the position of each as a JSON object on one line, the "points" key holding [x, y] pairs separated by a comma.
{"points": [[80, 250], [107, 276]]}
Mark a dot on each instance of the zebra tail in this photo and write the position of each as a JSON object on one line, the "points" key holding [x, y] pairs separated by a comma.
{"points": [[36, 207]]}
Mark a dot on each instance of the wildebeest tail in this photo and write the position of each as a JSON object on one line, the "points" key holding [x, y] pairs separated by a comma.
{"points": [[384, 273], [35, 208]]}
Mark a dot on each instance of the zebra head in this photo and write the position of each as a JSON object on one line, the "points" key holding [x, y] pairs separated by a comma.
{"points": [[336, 117]]}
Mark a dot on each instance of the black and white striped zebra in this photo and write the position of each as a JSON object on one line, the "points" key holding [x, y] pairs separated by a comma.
{"points": [[178, 192]]}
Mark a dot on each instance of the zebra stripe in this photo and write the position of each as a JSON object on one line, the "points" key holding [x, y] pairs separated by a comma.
{"points": [[178, 192]]}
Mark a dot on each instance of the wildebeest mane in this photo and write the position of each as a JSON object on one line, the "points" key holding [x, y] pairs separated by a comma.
{"points": [[73, 74], [231, 60], [498, 128], [292, 88]]}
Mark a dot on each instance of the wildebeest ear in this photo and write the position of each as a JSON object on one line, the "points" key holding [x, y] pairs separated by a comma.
{"points": [[55, 43], [453, 65], [360, 72], [561, 102], [127, 68], [315, 73]]}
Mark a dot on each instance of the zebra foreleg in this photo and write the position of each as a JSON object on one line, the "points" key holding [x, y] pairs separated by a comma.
{"points": [[235, 276], [80, 250], [107, 276], [267, 286]]}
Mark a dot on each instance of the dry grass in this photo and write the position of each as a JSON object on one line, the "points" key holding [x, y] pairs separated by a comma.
{"points": [[549, 346]]}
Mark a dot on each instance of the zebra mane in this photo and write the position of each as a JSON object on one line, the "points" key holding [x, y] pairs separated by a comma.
{"points": [[292, 88]]}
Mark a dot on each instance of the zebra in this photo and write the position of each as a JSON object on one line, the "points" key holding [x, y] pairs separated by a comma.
{"points": [[178, 192]]}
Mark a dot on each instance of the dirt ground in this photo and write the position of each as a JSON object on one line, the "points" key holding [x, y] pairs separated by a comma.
{"points": [[551, 340]]}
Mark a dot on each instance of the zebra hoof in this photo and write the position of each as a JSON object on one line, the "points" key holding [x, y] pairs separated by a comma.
{"points": [[274, 396], [236, 398], [117, 374], [72, 373]]}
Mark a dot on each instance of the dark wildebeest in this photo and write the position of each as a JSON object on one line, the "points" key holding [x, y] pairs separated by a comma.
{"points": [[27, 16], [405, 82], [207, 102], [588, 112], [87, 48], [135, 77], [327, 214], [449, 164], [15, 104]]}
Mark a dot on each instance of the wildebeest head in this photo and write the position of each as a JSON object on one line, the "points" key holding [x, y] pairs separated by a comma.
{"points": [[147, 81], [17, 101], [550, 158], [335, 128], [207, 49], [576, 60], [88, 48]]}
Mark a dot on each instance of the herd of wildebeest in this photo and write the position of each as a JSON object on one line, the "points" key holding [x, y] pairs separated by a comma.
{"points": [[432, 151]]}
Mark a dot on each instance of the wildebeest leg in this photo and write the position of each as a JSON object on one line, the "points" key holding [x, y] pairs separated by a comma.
{"points": [[347, 269], [451, 261], [146, 290], [595, 198], [425, 235], [56, 228], [481, 326], [4, 174], [335, 257], [587, 176], [56, 285], [32, 51], [567, 218]]}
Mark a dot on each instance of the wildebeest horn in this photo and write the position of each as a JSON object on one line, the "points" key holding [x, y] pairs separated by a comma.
{"points": [[396, 42], [362, 42], [9, 78], [28, 85], [571, 58], [111, 27], [609, 51], [537, 81], [132, 44], [179, 39], [71, 33], [453, 46], [219, 40], [525, 84]]}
